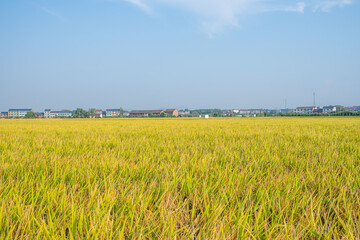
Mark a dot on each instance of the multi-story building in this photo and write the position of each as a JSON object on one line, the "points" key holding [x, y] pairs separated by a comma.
{"points": [[328, 109], [99, 113], [172, 112], [304, 110], [53, 114], [3, 114], [18, 113], [64, 113], [113, 112], [47, 113]]}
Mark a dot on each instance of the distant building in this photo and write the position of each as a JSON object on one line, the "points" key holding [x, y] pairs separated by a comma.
{"points": [[39, 115], [18, 113], [304, 110], [48, 113], [286, 110], [3, 114], [145, 113], [64, 113], [357, 109], [227, 112], [244, 112], [98, 113], [126, 114], [236, 111], [113, 112], [351, 109], [318, 110], [328, 109], [172, 112], [251, 111], [183, 113]]}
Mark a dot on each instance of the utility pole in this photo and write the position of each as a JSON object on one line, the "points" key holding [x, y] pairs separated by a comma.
{"points": [[314, 100]]}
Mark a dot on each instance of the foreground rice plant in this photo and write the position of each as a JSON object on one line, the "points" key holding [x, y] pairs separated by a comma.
{"points": [[284, 178]]}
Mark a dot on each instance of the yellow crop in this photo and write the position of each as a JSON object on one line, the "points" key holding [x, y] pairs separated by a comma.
{"points": [[243, 178]]}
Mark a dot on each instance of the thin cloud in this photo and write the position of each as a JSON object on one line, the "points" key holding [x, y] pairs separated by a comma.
{"points": [[326, 6], [140, 5], [215, 15], [53, 13]]}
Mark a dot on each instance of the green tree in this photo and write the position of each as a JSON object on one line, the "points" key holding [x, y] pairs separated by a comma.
{"points": [[163, 114], [122, 112], [340, 108], [81, 113], [30, 115]]}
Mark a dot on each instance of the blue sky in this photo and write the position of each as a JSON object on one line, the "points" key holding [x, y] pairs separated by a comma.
{"points": [[147, 54]]}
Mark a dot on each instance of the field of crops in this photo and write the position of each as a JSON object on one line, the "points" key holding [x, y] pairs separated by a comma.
{"points": [[243, 178]]}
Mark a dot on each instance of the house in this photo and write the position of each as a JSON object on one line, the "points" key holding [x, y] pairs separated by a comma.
{"points": [[286, 110], [3, 114], [350, 109], [48, 113], [145, 113], [98, 113], [328, 109], [18, 113], [126, 114], [251, 111], [244, 111], [64, 113], [304, 110], [113, 112], [318, 110], [183, 112], [357, 108], [172, 112], [39, 115]]}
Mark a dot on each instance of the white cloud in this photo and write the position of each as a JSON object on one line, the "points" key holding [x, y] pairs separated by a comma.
{"points": [[326, 6], [141, 5], [214, 15]]}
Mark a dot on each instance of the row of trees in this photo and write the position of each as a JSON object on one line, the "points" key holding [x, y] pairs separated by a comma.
{"points": [[342, 113]]}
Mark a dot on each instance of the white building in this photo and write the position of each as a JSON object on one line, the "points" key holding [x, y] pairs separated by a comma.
{"points": [[53, 114], [64, 114], [20, 113], [113, 112], [304, 110], [329, 109]]}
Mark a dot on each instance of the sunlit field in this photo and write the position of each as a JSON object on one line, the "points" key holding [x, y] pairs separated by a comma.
{"points": [[230, 178]]}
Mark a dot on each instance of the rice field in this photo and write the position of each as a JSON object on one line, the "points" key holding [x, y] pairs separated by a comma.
{"points": [[230, 178]]}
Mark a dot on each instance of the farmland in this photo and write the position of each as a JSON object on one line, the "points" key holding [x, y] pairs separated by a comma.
{"points": [[225, 178]]}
